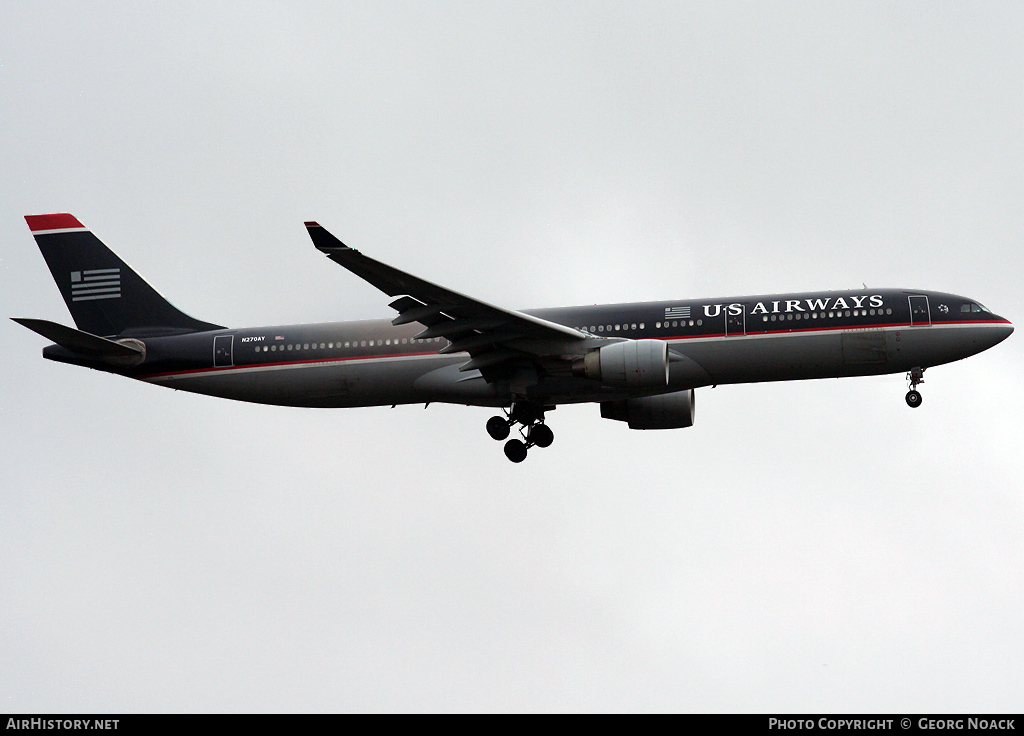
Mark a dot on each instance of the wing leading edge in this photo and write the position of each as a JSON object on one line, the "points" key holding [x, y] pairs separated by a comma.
{"points": [[491, 335]]}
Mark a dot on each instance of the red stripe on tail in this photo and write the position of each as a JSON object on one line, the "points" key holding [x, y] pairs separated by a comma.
{"points": [[59, 221]]}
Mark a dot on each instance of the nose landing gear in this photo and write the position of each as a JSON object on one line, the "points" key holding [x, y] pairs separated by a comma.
{"points": [[533, 429], [915, 377]]}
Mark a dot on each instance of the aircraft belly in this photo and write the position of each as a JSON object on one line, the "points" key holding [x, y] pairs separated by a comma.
{"points": [[854, 352], [328, 384], [698, 362], [757, 358], [446, 383], [937, 344]]}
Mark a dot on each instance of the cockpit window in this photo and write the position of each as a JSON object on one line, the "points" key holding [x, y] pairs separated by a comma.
{"points": [[973, 308]]}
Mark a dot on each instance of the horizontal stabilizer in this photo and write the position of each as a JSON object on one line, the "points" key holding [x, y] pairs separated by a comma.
{"points": [[77, 341]]}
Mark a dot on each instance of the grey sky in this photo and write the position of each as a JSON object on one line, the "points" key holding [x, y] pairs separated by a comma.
{"points": [[805, 546]]}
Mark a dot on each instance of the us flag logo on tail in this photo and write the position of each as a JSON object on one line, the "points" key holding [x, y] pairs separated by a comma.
{"points": [[99, 283]]}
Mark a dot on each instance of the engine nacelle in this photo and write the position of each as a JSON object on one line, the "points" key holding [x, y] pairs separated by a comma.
{"points": [[632, 364], [666, 411]]}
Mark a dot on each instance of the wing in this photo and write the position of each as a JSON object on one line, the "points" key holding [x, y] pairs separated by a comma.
{"points": [[491, 335]]}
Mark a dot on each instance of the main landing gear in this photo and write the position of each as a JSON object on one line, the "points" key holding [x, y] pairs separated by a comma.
{"points": [[915, 377], [533, 430]]}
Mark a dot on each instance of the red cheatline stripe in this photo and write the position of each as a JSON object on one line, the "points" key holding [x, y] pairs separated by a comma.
{"points": [[241, 366], [58, 221], [671, 337], [836, 328]]}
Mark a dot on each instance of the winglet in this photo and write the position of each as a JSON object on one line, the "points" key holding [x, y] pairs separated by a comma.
{"points": [[323, 240]]}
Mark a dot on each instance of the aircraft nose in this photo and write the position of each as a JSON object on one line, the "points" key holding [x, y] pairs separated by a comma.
{"points": [[1003, 331]]}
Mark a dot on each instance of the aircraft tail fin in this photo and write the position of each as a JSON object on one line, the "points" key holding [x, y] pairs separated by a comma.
{"points": [[104, 295]]}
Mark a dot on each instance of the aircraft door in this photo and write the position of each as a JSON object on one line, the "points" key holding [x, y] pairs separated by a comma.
{"points": [[735, 320], [223, 351], [920, 315]]}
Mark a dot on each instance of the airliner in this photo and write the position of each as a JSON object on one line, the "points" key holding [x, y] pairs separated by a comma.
{"points": [[641, 362]]}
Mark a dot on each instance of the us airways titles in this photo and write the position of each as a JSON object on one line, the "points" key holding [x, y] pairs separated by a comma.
{"points": [[795, 305]]}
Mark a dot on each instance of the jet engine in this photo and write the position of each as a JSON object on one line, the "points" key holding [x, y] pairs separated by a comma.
{"points": [[666, 411], [631, 364]]}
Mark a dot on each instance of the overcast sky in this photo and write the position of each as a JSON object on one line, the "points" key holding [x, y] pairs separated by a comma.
{"points": [[805, 546]]}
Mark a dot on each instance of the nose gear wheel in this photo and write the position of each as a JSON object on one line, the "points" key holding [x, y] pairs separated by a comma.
{"points": [[915, 377]]}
